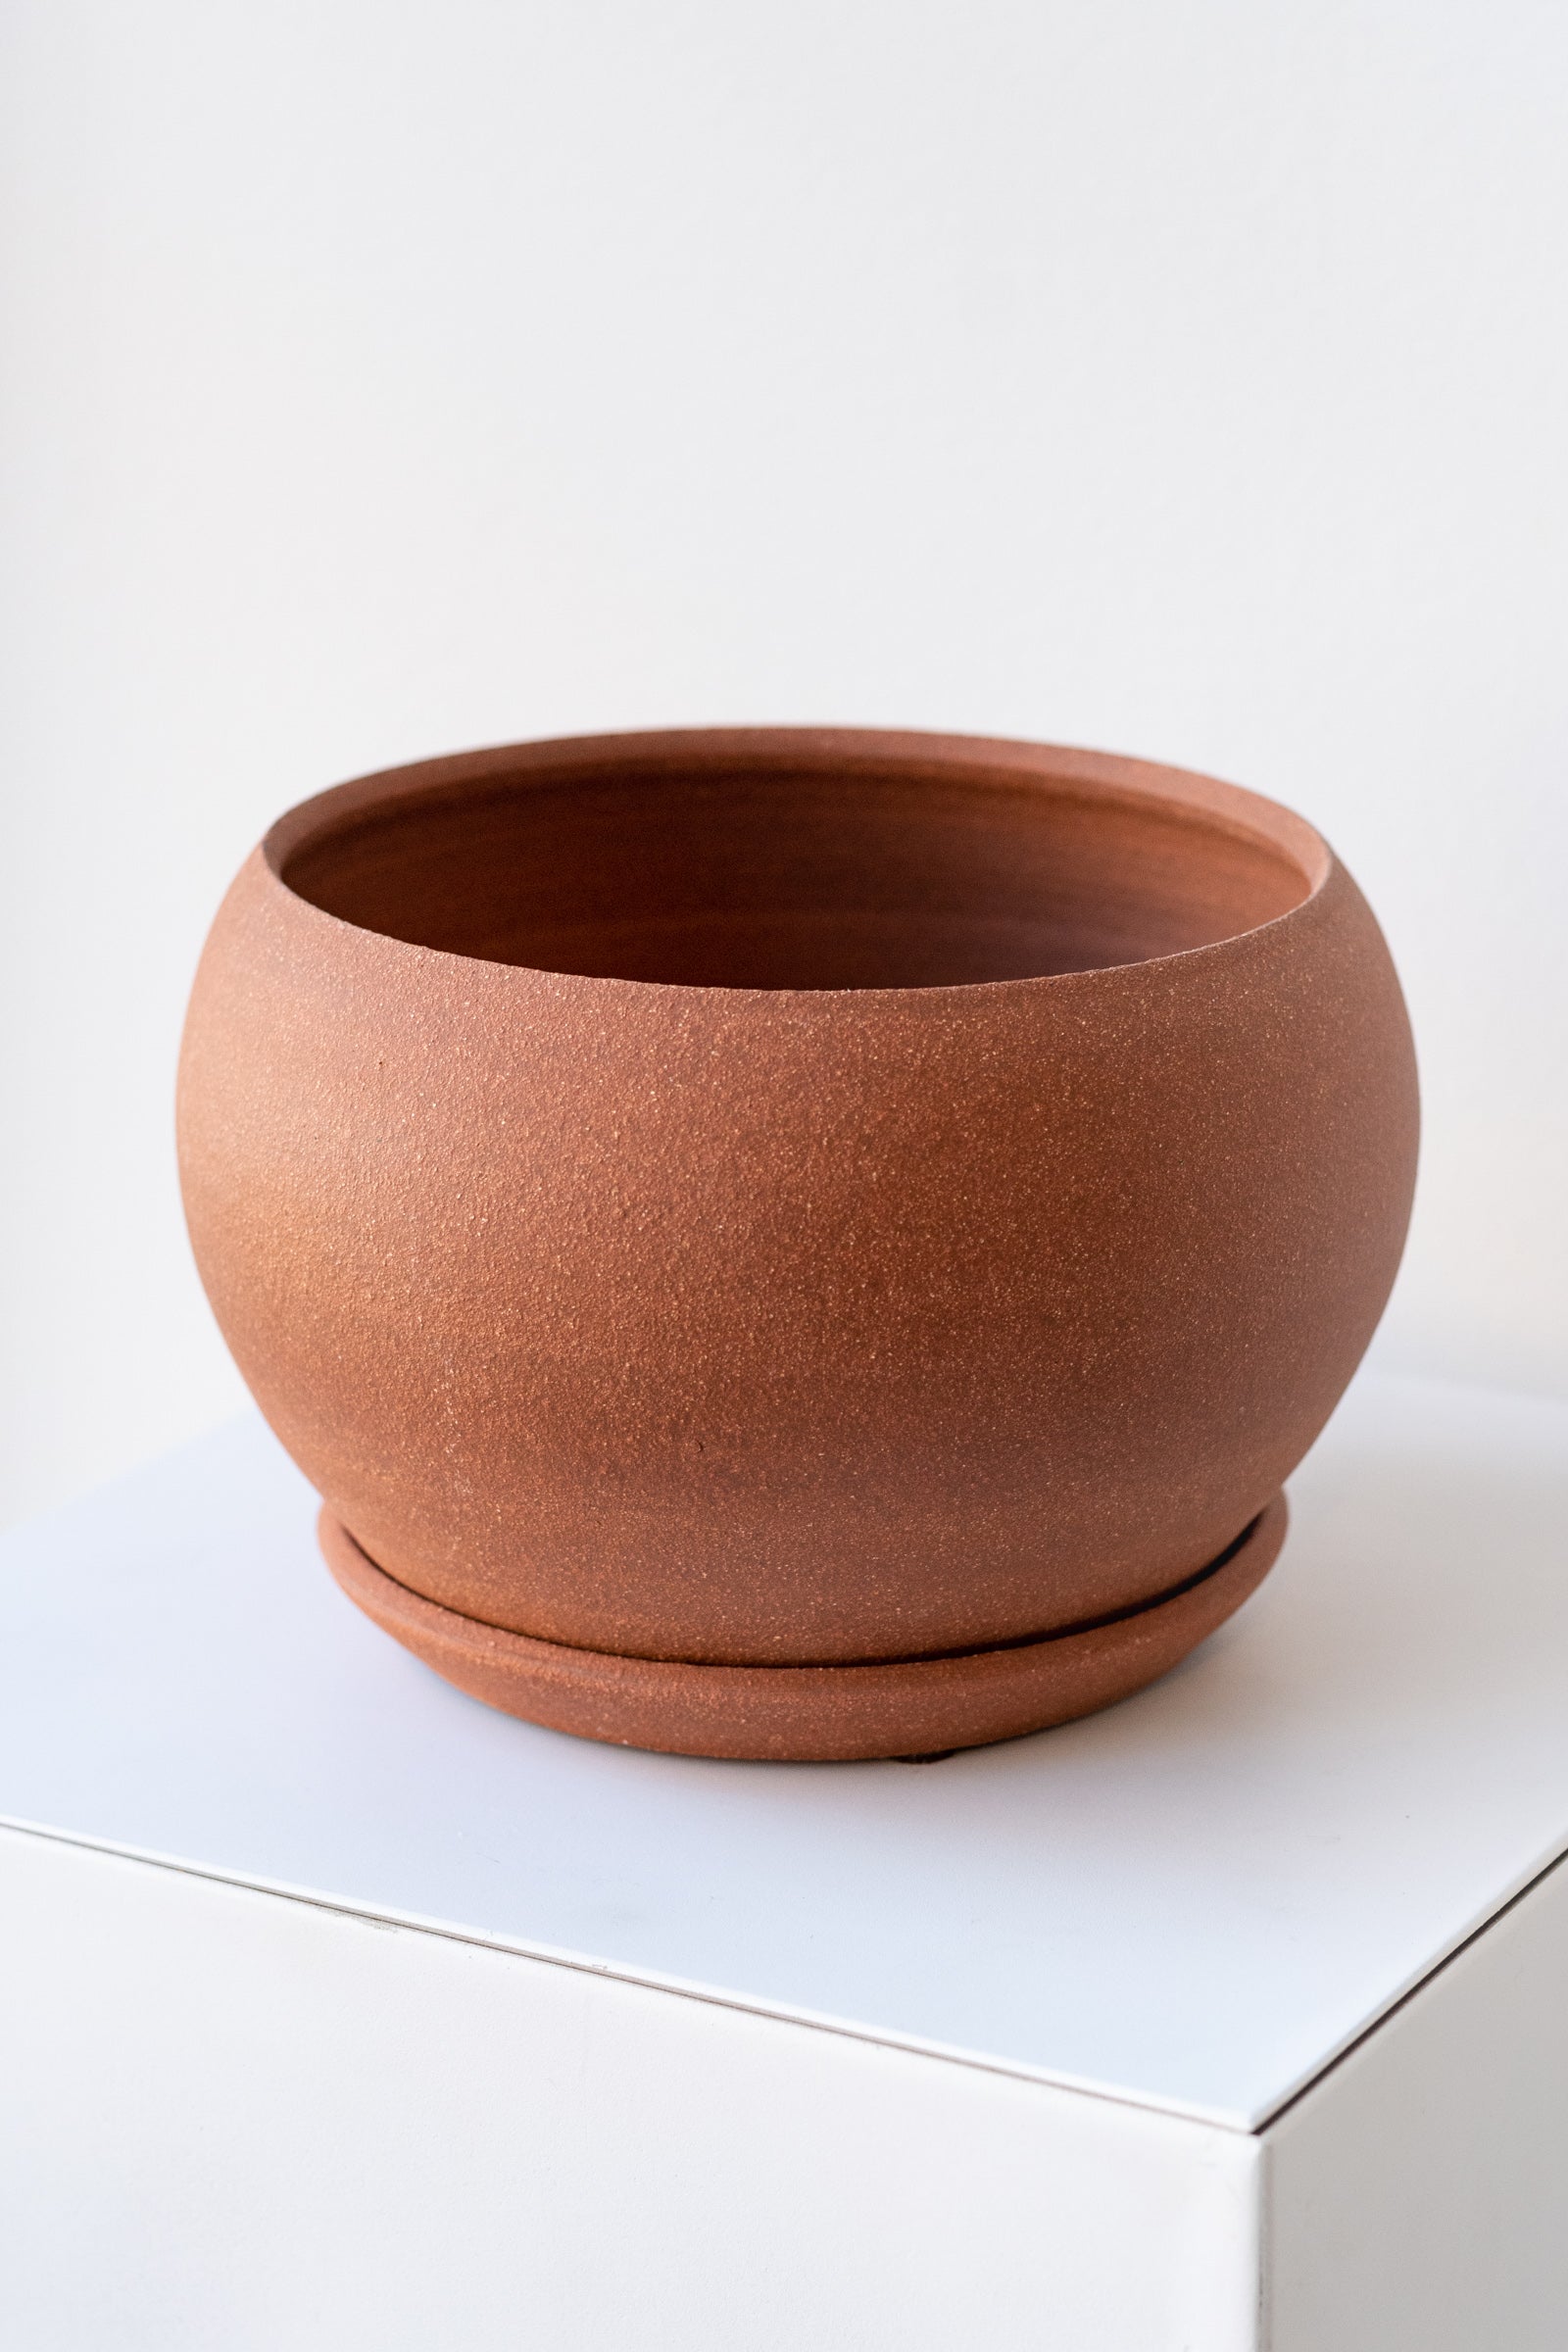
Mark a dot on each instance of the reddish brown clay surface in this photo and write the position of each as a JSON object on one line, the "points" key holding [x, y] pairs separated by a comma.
{"points": [[825, 1714], [790, 1198]]}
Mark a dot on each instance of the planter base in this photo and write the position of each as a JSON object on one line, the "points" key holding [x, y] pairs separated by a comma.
{"points": [[821, 1714]]}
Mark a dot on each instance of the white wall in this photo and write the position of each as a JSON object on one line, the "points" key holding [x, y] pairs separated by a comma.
{"points": [[385, 378]]}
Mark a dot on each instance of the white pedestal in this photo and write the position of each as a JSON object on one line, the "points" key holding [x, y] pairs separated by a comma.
{"points": [[341, 2012]]}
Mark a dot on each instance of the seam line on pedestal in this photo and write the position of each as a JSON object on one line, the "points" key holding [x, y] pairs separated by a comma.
{"points": [[902, 2045]]}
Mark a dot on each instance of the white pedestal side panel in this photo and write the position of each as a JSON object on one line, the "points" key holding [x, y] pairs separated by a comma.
{"points": [[1418, 2195], [232, 2122]]}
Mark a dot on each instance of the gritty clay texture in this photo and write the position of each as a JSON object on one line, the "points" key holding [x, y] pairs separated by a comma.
{"points": [[796, 1242]]}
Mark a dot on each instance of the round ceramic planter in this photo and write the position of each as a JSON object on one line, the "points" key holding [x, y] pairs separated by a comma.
{"points": [[796, 1242]]}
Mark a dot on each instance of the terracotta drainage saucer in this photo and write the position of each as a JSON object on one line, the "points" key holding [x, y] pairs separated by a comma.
{"points": [[908, 1707]]}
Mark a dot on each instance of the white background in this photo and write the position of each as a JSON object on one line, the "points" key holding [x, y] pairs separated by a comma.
{"points": [[1189, 380]]}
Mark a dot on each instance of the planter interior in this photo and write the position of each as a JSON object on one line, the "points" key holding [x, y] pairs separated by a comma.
{"points": [[796, 880]]}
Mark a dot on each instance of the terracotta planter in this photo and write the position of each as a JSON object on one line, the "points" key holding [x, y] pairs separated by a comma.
{"points": [[796, 1242]]}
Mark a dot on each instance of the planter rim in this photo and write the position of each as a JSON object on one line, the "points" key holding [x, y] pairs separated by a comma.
{"points": [[1204, 801]]}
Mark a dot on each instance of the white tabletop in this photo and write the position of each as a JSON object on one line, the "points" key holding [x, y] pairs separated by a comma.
{"points": [[1193, 1901]]}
